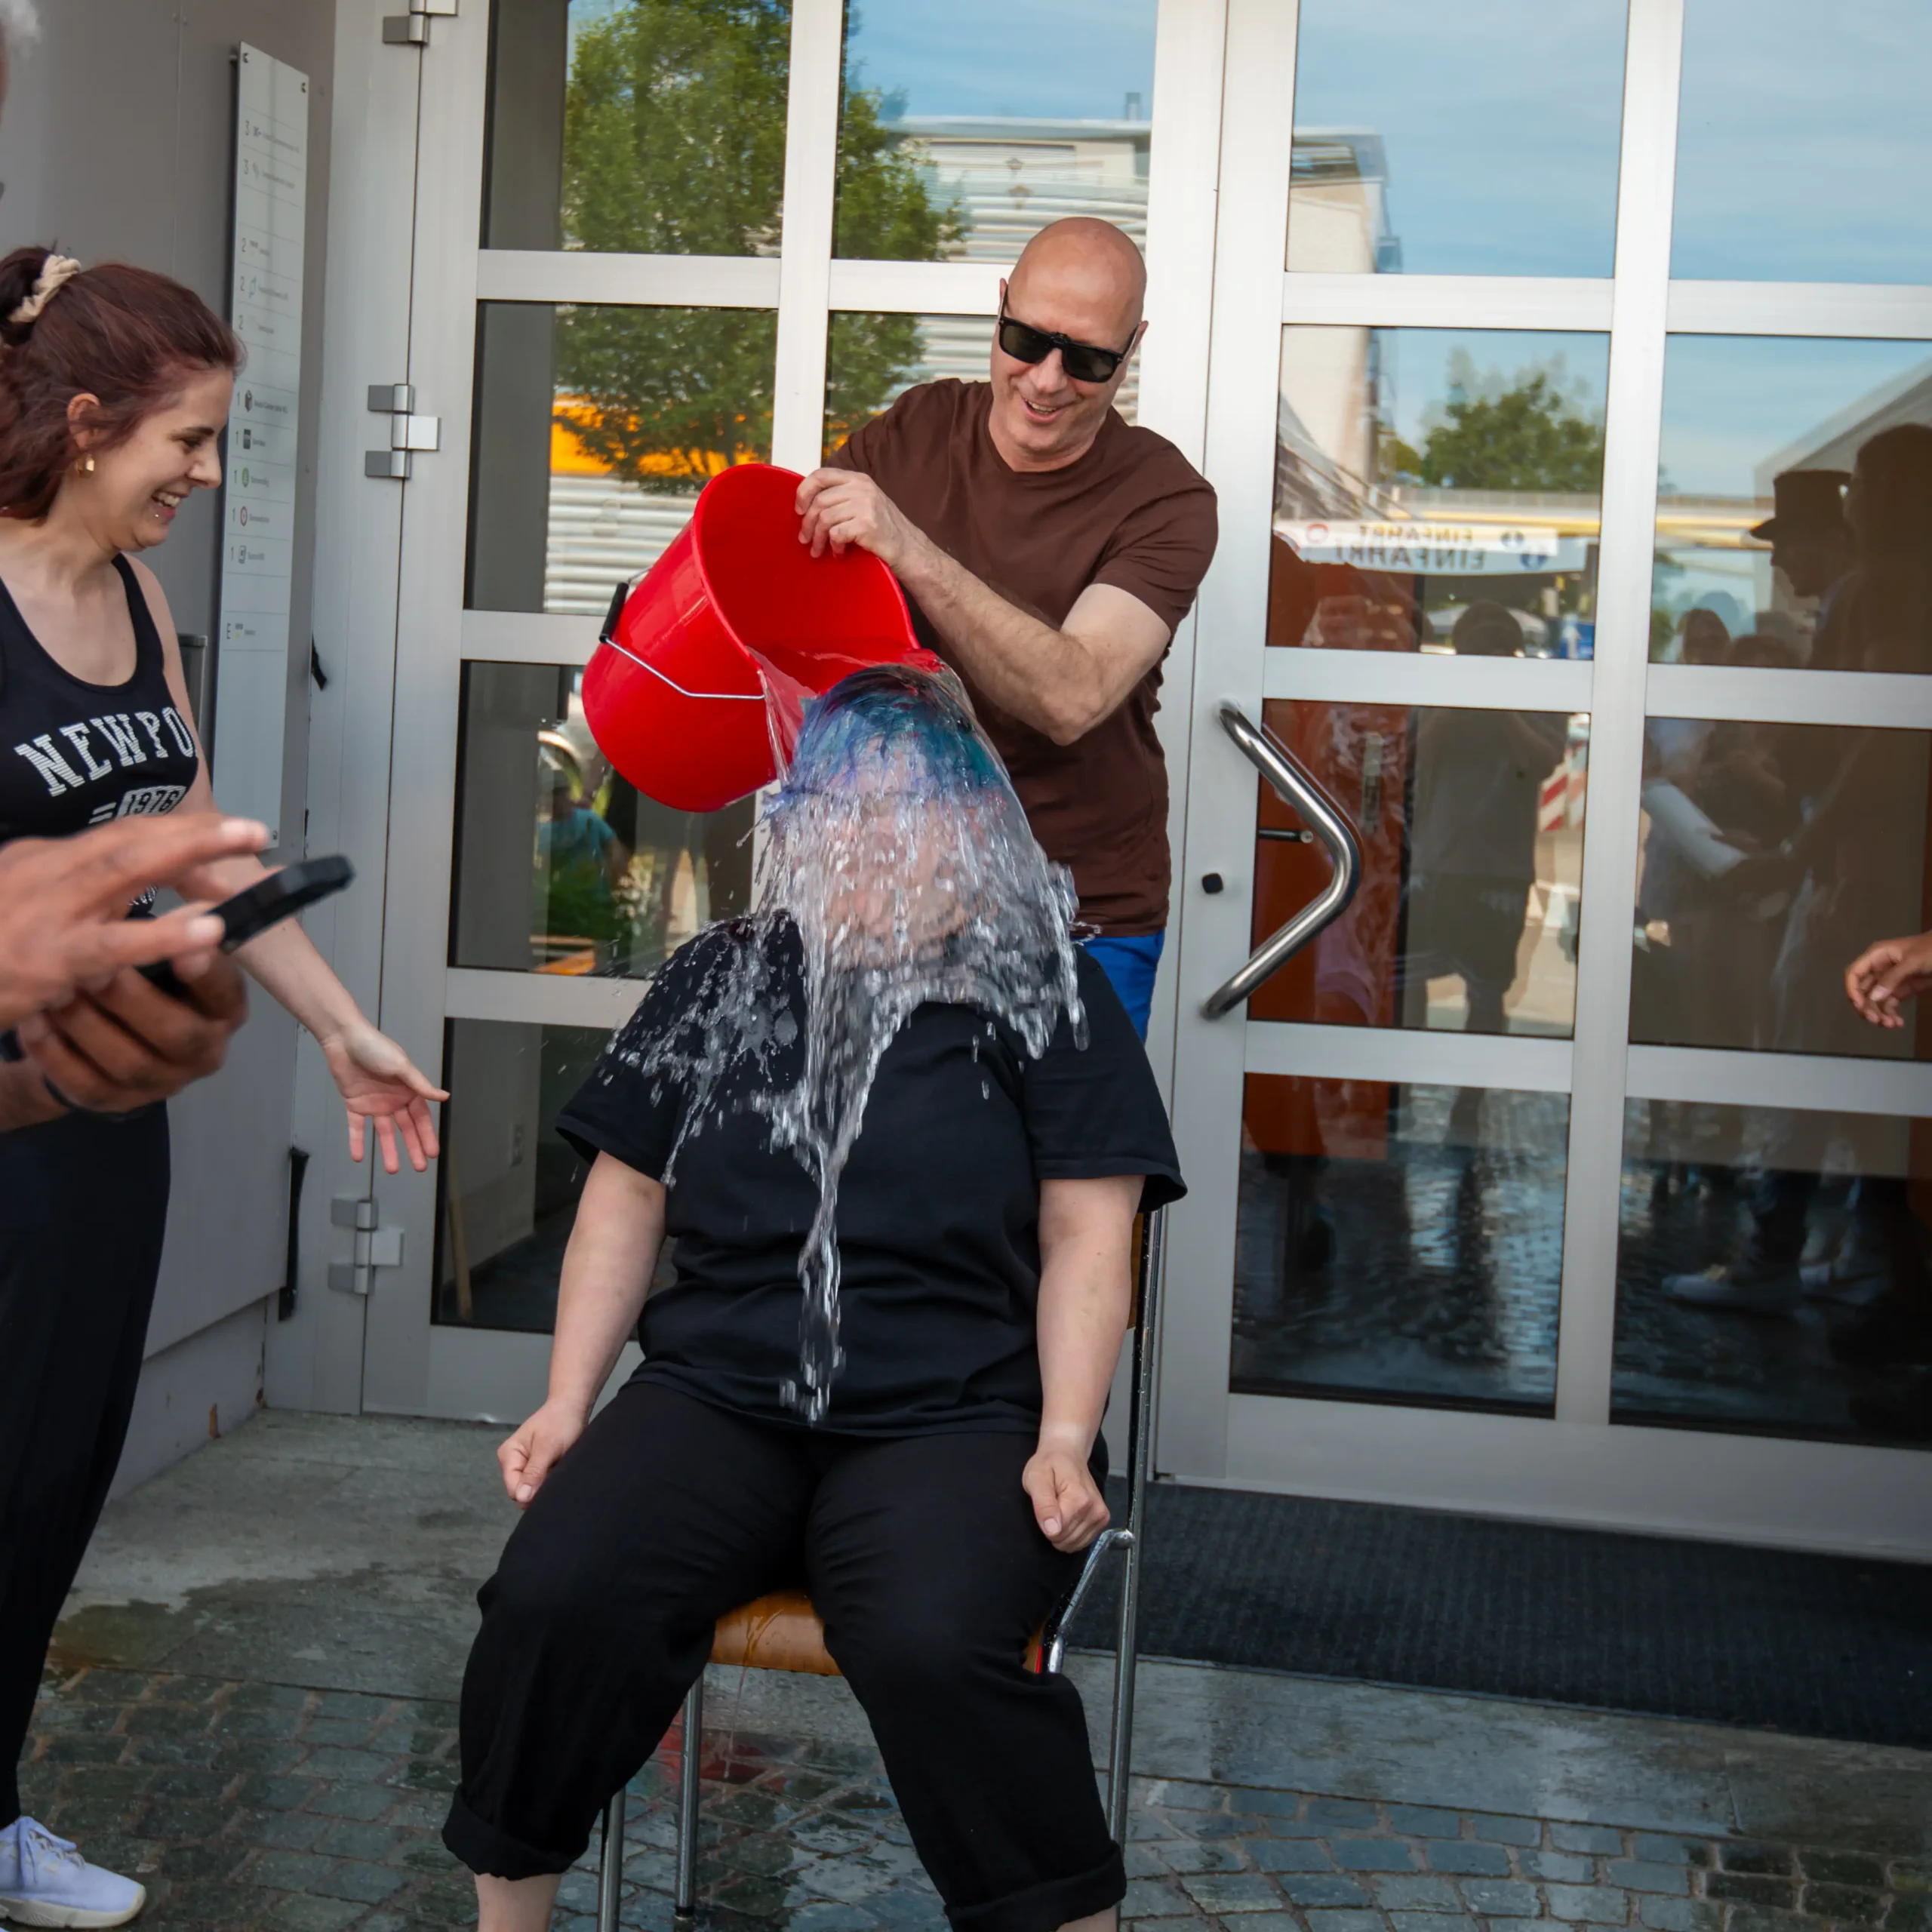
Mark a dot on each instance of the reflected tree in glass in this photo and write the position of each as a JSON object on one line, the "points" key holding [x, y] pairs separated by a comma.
{"points": [[675, 143]]}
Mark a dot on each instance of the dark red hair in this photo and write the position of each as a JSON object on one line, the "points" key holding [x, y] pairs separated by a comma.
{"points": [[127, 335]]}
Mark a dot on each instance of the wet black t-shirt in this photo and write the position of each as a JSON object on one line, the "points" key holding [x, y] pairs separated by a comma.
{"points": [[938, 1209]]}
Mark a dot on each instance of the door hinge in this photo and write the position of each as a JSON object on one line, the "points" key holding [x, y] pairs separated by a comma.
{"points": [[375, 1247], [412, 29], [408, 431]]}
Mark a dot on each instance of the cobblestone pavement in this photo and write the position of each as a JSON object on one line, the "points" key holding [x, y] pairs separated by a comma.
{"points": [[255, 1807]]}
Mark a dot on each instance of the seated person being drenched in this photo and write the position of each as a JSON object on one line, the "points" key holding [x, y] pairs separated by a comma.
{"points": [[963, 1258]]}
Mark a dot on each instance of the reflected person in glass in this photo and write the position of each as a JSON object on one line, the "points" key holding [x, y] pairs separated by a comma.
{"points": [[1842, 871], [935, 1510], [1479, 776]]}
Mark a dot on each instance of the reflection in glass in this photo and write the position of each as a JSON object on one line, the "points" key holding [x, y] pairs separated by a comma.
{"points": [[1475, 140], [1772, 1271], [1774, 854], [1803, 145], [595, 427], [639, 126], [1421, 472], [1795, 505], [561, 865], [871, 360], [1471, 827], [1399, 1243], [509, 1184], [955, 145]]}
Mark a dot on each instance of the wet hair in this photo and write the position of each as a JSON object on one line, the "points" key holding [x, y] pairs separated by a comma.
{"points": [[890, 730], [127, 335]]}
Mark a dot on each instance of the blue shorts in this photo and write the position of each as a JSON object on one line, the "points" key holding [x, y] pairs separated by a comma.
{"points": [[1130, 964]]}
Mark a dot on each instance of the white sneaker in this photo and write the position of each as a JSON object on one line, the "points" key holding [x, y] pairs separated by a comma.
{"points": [[1853, 1276], [1744, 1290], [43, 1881]]}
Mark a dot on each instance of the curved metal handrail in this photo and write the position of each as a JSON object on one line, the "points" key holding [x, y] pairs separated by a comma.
{"points": [[1278, 764]]}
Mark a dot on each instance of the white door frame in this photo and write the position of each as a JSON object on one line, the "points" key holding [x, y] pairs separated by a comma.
{"points": [[1576, 1467]]}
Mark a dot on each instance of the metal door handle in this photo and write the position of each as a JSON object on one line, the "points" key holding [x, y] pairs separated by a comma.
{"points": [[1295, 787]]}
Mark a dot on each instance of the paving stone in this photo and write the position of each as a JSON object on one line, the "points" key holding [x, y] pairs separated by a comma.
{"points": [[1252, 1921], [1638, 1875], [1316, 1888], [1194, 1855], [1265, 1804], [1222, 1892], [1373, 1855], [1344, 1922], [1431, 1921], [1465, 1860], [1775, 1860], [1184, 1794], [1749, 1888], [1153, 1898], [1287, 1855], [1748, 1918], [1423, 1821], [1589, 1905], [284, 1871], [1855, 1905], [310, 1915], [1403, 1892], [1659, 1848], [1501, 1898], [1843, 1868], [335, 1760], [1910, 1912], [1598, 1840], [1669, 1915], [1562, 1868], [1142, 1860], [1341, 1814], [1496, 1827], [285, 1831]]}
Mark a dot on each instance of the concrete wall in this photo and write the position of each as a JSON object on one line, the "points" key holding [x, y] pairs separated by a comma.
{"points": [[117, 143]]}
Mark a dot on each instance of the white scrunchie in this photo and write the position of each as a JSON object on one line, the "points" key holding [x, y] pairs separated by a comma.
{"points": [[55, 273]]}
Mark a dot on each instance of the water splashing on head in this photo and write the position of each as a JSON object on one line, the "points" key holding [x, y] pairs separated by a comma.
{"points": [[897, 846], [896, 850]]}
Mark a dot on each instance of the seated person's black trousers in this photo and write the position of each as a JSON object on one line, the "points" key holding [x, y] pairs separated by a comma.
{"points": [[921, 1555]]}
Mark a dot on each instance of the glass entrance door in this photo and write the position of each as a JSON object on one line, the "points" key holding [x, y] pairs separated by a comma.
{"points": [[652, 239], [1562, 1143]]}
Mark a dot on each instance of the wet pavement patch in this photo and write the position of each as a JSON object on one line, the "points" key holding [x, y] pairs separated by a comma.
{"points": [[258, 1807]]}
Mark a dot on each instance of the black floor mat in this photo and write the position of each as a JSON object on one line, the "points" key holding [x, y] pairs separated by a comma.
{"points": [[1835, 1647]]}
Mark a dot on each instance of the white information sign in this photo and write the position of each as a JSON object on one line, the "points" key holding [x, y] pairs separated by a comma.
{"points": [[258, 517], [1437, 549]]}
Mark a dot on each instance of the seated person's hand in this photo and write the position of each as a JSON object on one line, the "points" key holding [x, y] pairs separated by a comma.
{"points": [[1067, 1503], [126, 1044], [530, 1455]]}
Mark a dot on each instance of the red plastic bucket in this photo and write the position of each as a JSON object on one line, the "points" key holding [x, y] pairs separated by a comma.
{"points": [[696, 688]]}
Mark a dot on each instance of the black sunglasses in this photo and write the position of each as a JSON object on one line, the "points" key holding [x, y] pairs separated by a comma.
{"points": [[1083, 362]]}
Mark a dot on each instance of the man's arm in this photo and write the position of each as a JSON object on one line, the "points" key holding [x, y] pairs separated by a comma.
{"points": [[1061, 681]]}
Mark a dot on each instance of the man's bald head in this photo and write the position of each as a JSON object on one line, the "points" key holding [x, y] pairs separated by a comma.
{"points": [[1086, 263]]}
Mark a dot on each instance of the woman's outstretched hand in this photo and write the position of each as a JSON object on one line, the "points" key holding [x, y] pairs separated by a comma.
{"points": [[379, 1082], [530, 1455], [1067, 1503]]}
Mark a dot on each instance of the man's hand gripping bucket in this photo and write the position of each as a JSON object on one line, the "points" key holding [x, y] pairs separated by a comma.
{"points": [[700, 679]]}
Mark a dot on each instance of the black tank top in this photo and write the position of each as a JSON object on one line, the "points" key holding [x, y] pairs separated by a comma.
{"points": [[73, 754]]}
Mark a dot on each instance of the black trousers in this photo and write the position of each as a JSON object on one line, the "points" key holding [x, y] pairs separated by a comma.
{"points": [[923, 1558], [83, 1209]]}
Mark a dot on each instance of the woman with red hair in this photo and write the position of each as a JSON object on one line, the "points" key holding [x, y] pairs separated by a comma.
{"points": [[114, 390]]}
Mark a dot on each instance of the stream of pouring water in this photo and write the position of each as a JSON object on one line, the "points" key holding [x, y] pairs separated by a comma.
{"points": [[896, 847]]}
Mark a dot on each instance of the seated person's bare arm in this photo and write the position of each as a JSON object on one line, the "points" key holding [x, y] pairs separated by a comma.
{"points": [[606, 1272], [1061, 681], [1086, 1297]]}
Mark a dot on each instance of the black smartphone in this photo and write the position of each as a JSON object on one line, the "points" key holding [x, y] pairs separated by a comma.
{"points": [[247, 916]]}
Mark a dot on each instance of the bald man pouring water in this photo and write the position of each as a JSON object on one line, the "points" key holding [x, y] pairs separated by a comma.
{"points": [[1049, 550]]}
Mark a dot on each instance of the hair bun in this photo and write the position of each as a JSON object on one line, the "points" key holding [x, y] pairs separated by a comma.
{"points": [[19, 271]]}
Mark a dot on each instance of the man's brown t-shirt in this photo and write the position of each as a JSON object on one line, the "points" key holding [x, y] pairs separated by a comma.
{"points": [[1133, 512]]}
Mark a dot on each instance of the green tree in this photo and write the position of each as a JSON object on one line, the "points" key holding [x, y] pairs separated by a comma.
{"points": [[674, 144], [1529, 434]]}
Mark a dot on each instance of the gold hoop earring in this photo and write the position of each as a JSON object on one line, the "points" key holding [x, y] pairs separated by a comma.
{"points": [[84, 465]]}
